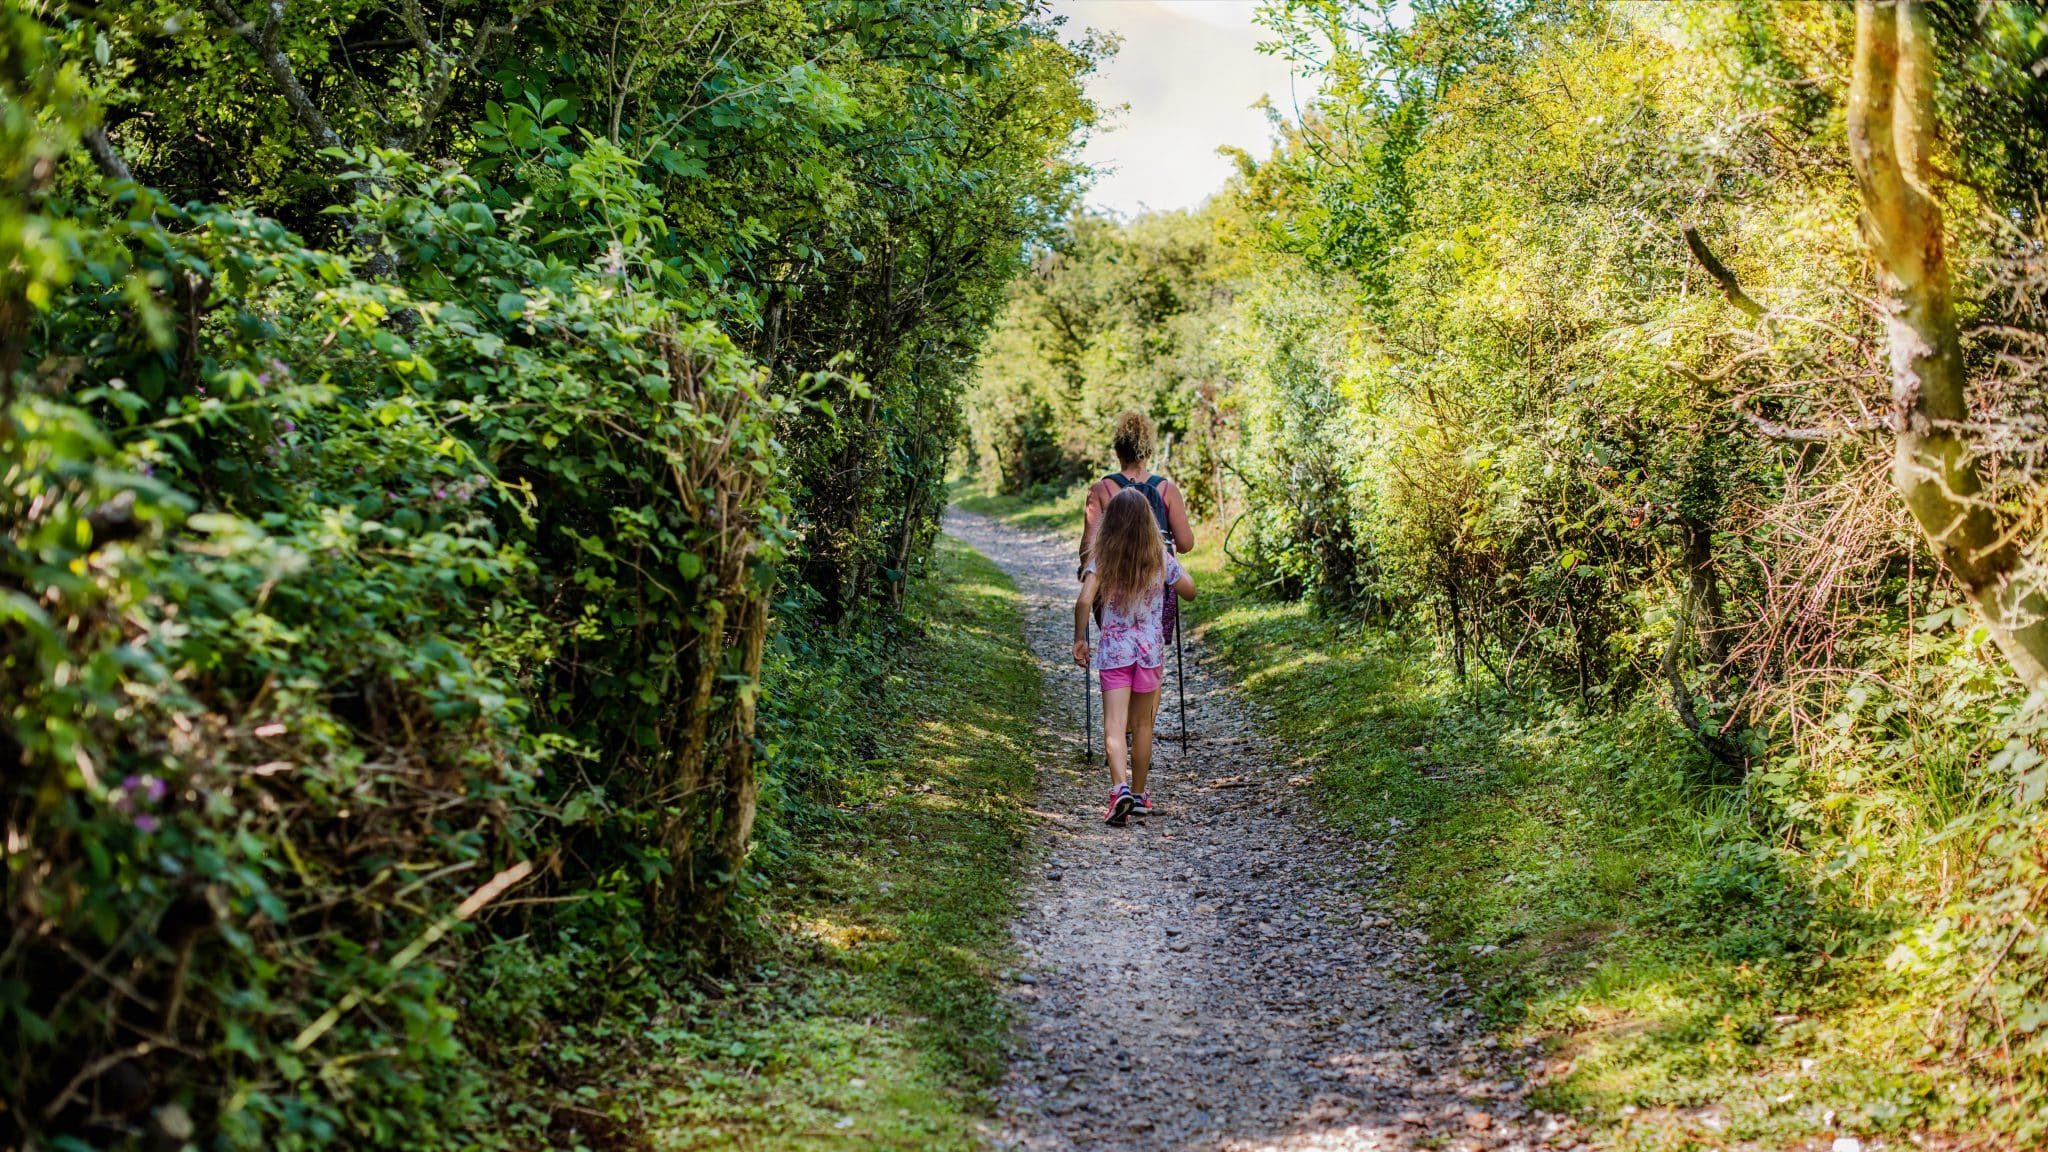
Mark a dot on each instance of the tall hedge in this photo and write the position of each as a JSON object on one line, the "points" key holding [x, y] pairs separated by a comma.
{"points": [[402, 484]]}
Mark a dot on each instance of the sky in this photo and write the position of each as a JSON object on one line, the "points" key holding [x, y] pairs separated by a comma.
{"points": [[1189, 71]]}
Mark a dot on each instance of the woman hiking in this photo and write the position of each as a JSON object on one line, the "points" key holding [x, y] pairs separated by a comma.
{"points": [[1133, 438], [1128, 578]]}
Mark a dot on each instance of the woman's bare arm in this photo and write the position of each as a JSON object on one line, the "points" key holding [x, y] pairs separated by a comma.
{"points": [[1083, 604], [1091, 515], [1177, 517]]}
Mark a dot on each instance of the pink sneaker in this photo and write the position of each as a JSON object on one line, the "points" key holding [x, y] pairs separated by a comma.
{"points": [[1120, 801], [1141, 803]]}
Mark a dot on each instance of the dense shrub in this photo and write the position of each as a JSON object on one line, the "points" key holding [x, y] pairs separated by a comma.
{"points": [[325, 607], [402, 477]]}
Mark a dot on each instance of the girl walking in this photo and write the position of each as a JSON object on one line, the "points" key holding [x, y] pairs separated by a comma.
{"points": [[1128, 574]]}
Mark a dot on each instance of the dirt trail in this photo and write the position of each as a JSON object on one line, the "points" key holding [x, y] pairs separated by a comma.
{"points": [[1213, 978]]}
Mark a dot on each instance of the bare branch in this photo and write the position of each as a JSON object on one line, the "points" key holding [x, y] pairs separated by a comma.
{"points": [[91, 1071], [1730, 286], [265, 42], [104, 154], [1773, 430], [445, 66]]}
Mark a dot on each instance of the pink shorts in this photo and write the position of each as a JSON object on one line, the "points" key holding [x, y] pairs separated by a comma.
{"points": [[1137, 678]]}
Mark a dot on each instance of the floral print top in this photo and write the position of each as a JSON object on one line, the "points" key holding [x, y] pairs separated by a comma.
{"points": [[1136, 635]]}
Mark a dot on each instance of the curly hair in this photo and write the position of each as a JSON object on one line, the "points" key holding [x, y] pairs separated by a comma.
{"points": [[1133, 438]]}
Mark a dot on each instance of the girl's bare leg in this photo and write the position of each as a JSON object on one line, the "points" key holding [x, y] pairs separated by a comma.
{"points": [[1116, 711], [1144, 711]]}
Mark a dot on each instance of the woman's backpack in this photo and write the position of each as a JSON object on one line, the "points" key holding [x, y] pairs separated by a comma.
{"points": [[1152, 496]]}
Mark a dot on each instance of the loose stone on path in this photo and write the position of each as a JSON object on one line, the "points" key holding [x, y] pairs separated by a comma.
{"points": [[1211, 978]]}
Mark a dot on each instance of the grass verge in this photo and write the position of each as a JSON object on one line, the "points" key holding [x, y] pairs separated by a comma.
{"points": [[1047, 508], [1691, 983], [874, 1019]]}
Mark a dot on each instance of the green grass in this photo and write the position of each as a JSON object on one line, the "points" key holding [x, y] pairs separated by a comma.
{"points": [[1689, 986], [1044, 509], [877, 1020]]}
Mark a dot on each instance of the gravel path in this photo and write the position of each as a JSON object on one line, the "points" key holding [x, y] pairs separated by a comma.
{"points": [[1214, 977]]}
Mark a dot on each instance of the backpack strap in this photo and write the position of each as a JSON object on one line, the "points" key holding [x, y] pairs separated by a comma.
{"points": [[1152, 496]]}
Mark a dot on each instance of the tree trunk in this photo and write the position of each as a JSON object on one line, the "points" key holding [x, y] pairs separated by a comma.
{"points": [[1699, 612], [1891, 131], [742, 786], [905, 542], [265, 42], [1457, 630]]}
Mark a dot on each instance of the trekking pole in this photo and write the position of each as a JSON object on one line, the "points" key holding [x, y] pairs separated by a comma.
{"points": [[1088, 711], [1180, 682]]}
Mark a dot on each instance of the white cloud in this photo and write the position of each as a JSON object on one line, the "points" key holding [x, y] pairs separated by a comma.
{"points": [[1189, 71]]}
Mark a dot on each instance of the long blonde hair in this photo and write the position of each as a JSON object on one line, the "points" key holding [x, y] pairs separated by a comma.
{"points": [[1130, 559]]}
